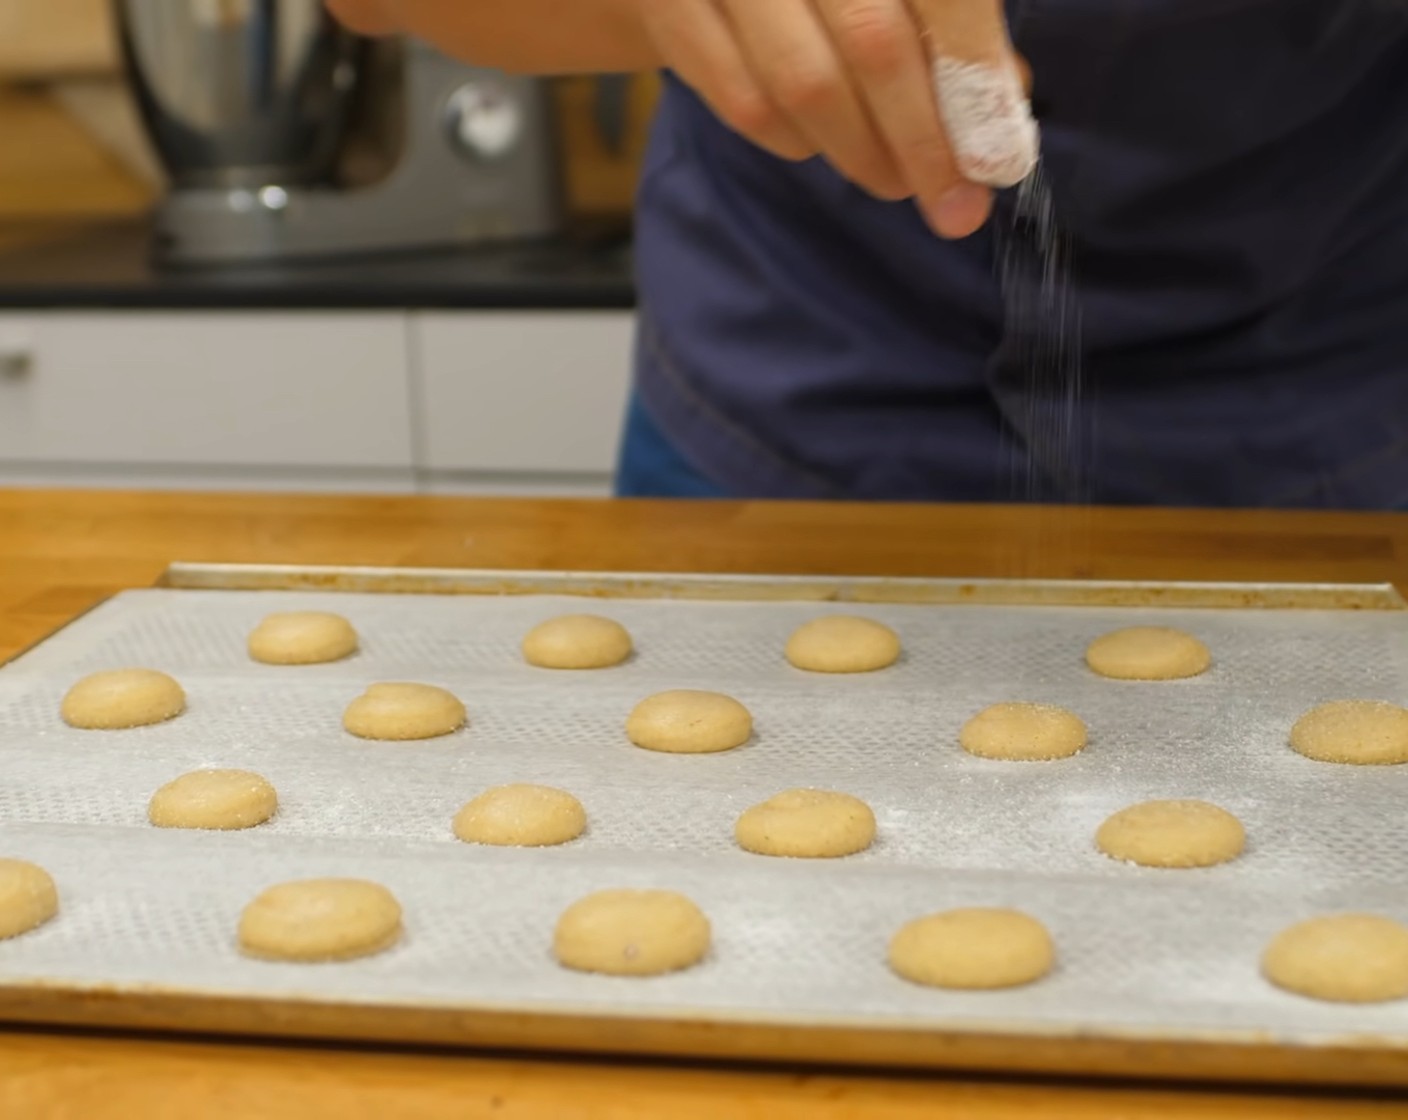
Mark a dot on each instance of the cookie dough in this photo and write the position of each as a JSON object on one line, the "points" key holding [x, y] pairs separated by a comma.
{"points": [[631, 933], [841, 643], [217, 799], [1023, 732], [122, 698], [302, 638], [28, 897], [320, 920], [1172, 834], [1148, 653], [807, 823], [1348, 958], [577, 641], [398, 711], [522, 816], [1364, 732], [686, 721], [974, 948]]}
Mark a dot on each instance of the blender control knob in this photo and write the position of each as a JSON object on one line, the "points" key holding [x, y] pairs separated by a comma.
{"points": [[485, 120]]}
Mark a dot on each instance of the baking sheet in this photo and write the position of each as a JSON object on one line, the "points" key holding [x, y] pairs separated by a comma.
{"points": [[1156, 953]]}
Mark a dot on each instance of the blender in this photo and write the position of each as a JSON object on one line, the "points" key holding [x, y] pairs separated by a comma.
{"points": [[254, 105]]}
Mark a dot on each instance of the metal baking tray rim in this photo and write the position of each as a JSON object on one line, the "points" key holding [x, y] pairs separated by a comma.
{"points": [[861, 1041], [1014, 1028], [776, 588]]}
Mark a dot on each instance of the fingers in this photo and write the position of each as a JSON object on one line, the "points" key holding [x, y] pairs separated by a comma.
{"points": [[972, 30], [855, 81], [791, 51], [696, 42], [980, 90], [880, 43], [1024, 71]]}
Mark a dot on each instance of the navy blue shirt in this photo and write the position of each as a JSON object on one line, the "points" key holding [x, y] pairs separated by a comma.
{"points": [[1232, 178]]}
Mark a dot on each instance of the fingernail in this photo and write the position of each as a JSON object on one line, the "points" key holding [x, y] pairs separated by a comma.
{"points": [[962, 211]]}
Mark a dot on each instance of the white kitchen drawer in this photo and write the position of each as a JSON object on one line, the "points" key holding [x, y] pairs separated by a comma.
{"points": [[214, 389], [522, 391]]}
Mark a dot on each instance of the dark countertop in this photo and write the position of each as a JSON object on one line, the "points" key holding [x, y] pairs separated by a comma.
{"points": [[110, 267]]}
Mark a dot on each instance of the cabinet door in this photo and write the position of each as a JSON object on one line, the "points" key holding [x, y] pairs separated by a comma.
{"points": [[522, 392], [278, 389]]}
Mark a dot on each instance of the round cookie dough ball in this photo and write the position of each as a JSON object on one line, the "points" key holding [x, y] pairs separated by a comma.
{"points": [[577, 641], [1348, 958], [302, 638], [398, 711], [631, 933], [808, 824], [320, 920], [687, 721], [214, 799], [523, 816], [1023, 732], [973, 948], [1148, 653], [1172, 834], [122, 698], [840, 643], [1363, 732], [28, 897]]}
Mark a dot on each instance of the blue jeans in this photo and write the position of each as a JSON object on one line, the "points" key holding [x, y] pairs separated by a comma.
{"points": [[650, 466]]}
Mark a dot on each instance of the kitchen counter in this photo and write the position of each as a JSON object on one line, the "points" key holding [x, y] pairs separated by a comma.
{"points": [[109, 266], [61, 552]]}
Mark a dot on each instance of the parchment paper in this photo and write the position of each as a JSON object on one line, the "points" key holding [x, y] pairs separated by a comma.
{"points": [[1158, 950]]}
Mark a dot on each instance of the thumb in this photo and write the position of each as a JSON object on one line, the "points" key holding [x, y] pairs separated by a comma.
{"points": [[980, 85]]}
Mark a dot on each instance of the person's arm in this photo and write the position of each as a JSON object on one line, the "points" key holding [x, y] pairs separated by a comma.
{"points": [[525, 36]]}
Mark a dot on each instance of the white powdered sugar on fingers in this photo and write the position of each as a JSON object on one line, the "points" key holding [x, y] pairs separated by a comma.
{"points": [[988, 119]]}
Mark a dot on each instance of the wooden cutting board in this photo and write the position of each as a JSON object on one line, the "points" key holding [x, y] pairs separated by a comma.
{"points": [[601, 179], [52, 167], [45, 39]]}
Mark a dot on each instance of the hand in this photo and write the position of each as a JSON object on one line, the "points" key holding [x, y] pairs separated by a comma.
{"points": [[855, 82]]}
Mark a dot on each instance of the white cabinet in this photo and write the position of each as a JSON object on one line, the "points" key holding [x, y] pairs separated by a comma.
{"points": [[205, 389], [522, 392], [527, 402]]}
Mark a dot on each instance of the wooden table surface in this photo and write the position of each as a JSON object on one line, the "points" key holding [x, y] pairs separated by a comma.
{"points": [[61, 552]]}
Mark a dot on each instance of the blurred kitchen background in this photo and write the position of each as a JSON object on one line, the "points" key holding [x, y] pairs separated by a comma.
{"points": [[241, 249]]}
